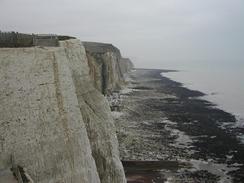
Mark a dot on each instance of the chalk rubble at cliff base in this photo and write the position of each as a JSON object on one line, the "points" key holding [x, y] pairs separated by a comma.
{"points": [[53, 120]]}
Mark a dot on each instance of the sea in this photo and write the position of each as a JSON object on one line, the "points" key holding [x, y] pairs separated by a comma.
{"points": [[221, 81]]}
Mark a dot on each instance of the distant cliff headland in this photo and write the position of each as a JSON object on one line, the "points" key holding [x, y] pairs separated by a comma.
{"points": [[55, 123]]}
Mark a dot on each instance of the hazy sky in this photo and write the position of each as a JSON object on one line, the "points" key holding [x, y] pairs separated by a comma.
{"points": [[154, 33]]}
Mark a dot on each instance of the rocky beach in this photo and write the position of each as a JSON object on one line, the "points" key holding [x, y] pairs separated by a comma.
{"points": [[168, 133]]}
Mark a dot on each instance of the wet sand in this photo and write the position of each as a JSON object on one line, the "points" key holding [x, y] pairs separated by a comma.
{"points": [[161, 120]]}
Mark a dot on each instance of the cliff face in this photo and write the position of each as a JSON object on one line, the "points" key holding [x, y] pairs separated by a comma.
{"points": [[53, 120], [96, 115], [125, 65], [40, 120], [104, 63]]}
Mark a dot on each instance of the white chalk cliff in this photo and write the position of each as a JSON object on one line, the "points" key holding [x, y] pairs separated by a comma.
{"points": [[53, 120], [106, 66]]}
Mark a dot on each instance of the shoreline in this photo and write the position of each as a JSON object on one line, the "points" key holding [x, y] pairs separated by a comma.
{"points": [[163, 120], [217, 92], [239, 119]]}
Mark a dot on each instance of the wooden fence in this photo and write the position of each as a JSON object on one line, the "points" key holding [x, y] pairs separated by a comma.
{"points": [[15, 39]]}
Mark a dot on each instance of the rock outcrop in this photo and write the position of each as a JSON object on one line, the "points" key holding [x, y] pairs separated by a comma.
{"points": [[53, 120]]}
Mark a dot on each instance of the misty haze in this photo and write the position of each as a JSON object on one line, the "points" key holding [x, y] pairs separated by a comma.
{"points": [[106, 91]]}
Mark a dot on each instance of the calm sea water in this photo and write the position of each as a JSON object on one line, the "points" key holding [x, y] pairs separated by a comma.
{"points": [[223, 82]]}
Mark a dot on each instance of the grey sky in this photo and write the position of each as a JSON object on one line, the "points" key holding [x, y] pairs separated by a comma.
{"points": [[151, 32]]}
